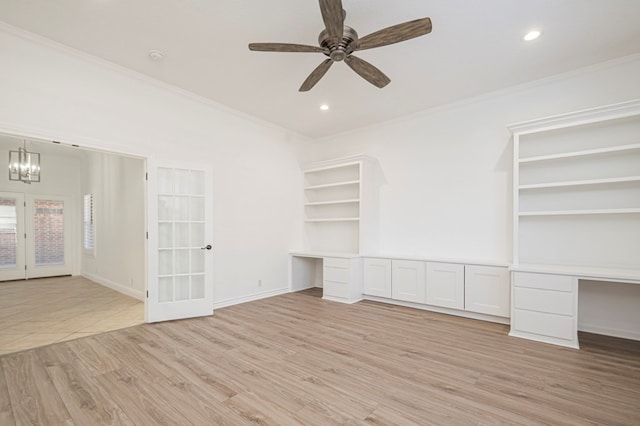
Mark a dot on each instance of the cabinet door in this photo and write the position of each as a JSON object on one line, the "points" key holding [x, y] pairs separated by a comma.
{"points": [[445, 285], [377, 277], [486, 290], [408, 281]]}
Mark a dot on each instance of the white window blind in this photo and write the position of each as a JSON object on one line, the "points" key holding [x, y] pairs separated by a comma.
{"points": [[88, 224]]}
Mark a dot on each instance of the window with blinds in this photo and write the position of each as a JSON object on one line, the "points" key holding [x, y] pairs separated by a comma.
{"points": [[88, 224]]}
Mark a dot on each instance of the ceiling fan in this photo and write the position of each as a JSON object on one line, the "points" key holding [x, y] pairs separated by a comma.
{"points": [[338, 42]]}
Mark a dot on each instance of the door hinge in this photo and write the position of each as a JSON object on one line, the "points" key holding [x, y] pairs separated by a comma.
{"points": [[25, 267], [147, 235], [146, 176], [147, 294], [25, 235]]}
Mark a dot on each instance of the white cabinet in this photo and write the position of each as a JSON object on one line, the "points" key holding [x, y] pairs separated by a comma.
{"points": [[454, 286], [377, 277], [446, 285], [408, 281], [487, 290], [545, 308], [342, 279]]}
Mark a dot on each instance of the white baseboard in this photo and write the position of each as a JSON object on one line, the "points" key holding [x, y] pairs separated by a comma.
{"points": [[609, 331], [464, 314], [137, 294], [243, 299]]}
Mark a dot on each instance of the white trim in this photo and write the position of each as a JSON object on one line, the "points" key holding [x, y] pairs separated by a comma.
{"points": [[545, 339], [19, 32], [250, 298], [576, 118], [437, 309], [472, 100], [608, 331], [120, 288], [81, 142]]}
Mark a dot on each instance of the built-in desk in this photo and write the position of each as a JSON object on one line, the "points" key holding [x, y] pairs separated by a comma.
{"points": [[544, 300], [338, 274]]}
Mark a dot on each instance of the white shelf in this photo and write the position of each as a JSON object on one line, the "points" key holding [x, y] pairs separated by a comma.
{"points": [[333, 185], [334, 219], [580, 183], [579, 212], [328, 203], [597, 151]]}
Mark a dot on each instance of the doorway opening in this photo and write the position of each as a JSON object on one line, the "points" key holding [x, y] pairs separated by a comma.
{"points": [[43, 235]]}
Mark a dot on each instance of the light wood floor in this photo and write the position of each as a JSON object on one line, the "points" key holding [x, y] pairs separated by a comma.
{"points": [[42, 311], [296, 359]]}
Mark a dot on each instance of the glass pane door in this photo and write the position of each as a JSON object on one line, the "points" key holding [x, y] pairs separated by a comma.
{"points": [[12, 252], [48, 235], [179, 244], [49, 232]]}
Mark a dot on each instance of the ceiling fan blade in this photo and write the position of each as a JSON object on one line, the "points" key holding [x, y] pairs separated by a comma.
{"points": [[367, 71], [316, 75], [396, 33], [333, 17], [285, 47]]}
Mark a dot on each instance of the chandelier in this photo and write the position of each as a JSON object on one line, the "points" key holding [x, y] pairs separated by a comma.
{"points": [[24, 166]]}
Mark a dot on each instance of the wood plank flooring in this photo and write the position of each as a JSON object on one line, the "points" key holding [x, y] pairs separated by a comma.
{"points": [[296, 359]]}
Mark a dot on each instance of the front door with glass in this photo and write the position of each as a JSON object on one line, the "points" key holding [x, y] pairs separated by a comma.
{"points": [[35, 236]]}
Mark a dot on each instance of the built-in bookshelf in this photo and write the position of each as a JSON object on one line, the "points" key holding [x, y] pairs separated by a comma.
{"points": [[339, 211], [577, 189]]}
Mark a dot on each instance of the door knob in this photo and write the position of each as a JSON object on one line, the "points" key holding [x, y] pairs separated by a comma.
{"points": [[207, 247]]}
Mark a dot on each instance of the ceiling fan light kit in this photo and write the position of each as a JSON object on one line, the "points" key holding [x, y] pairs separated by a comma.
{"points": [[338, 42]]}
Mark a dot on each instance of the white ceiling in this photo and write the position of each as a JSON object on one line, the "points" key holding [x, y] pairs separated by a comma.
{"points": [[475, 47]]}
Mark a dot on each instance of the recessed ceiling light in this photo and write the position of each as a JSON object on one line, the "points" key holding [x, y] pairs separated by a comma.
{"points": [[156, 55], [324, 107], [531, 35]]}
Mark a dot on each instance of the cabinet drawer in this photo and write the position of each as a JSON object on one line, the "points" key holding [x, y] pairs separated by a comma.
{"points": [[336, 274], [336, 262], [335, 289], [553, 302], [543, 281], [551, 325]]}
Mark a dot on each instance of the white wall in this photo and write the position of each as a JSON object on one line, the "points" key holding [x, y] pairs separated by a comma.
{"points": [[60, 175], [118, 188], [51, 92], [448, 171]]}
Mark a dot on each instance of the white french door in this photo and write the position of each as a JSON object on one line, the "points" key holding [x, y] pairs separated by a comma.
{"points": [[35, 235], [12, 241], [180, 283]]}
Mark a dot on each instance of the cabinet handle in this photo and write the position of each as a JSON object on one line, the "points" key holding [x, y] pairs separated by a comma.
{"points": [[207, 247]]}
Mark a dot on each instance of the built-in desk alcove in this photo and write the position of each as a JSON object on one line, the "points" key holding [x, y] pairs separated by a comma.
{"points": [[338, 274], [609, 308], [306, 272]]}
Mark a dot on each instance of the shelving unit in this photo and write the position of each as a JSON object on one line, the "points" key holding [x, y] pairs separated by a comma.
{"points": [[577, 189], [576, 195], [340, 214]]}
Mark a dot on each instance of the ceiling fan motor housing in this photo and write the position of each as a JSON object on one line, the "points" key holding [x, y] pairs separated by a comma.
{"points": [[344, 48]]}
